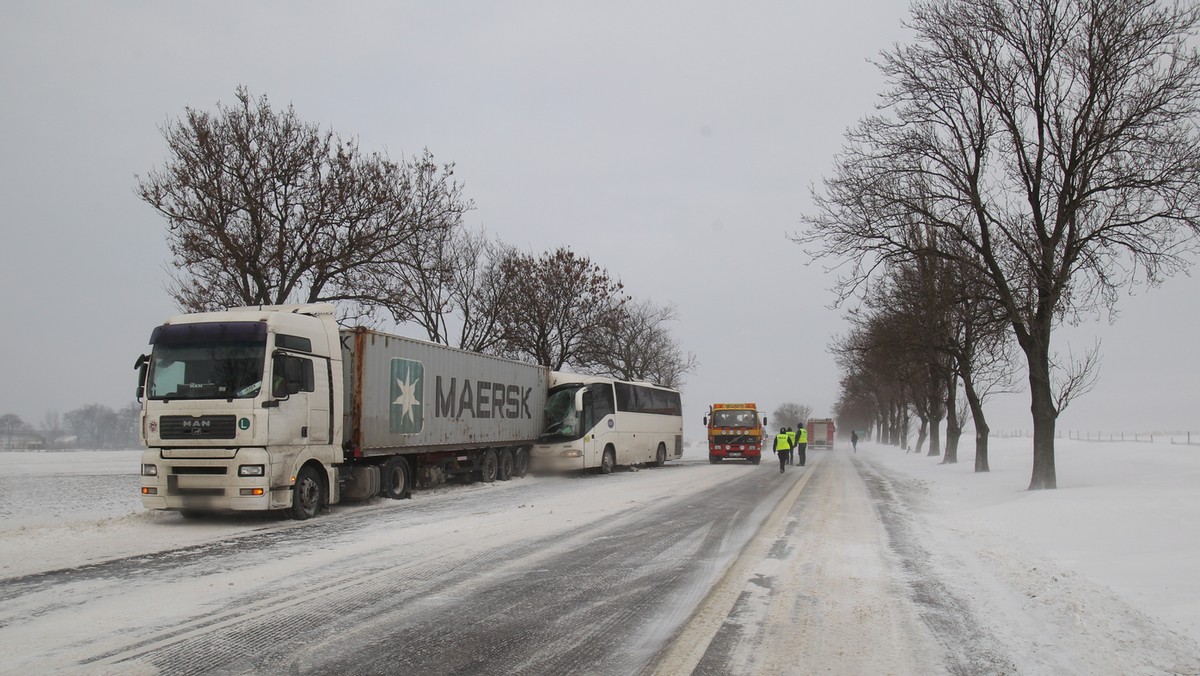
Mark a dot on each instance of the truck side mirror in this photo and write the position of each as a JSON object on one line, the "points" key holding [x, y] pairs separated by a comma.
{"points": [[706, 421], [764, 421], [140, 367]]}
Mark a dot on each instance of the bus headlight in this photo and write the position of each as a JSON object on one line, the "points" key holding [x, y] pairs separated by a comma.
{"points": [[149, 470], [251, 470]]}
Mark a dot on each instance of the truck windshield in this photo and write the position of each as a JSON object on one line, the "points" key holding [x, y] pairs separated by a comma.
{"points": [[734, 418], [562, 420], [207, 361]]}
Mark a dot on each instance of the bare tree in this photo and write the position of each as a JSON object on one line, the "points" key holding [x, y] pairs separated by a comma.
{"points": [[266, 209], [639, 346], [479, 290], [95, 426], [791, 414], [11, 425], [556, 302], [1052, 141]]}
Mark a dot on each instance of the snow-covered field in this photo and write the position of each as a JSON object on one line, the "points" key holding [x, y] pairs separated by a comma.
{"points": [[1125, 517], [1114, 550]]}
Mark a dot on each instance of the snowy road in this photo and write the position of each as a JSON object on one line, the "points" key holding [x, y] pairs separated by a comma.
{"points": [[551, 575], [691, 568]]}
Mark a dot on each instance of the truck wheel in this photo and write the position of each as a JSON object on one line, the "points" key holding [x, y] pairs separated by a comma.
{"points": [[489, 466], [755, 460], [307, 495], [505, 468], [661, 458], [608, 461], [394, 479], [520, 463], [714, 459]]}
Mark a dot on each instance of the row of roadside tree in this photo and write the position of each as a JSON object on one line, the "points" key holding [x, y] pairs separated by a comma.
{"points": [[1028, 161]]}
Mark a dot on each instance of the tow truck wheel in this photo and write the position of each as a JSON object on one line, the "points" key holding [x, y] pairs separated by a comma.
{"points": [[307, 495], [505, 469], [520, 463], [394, 479], [489, 466]]}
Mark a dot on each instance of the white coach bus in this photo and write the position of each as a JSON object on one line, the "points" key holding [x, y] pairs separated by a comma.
{"points": [[598, 423]]}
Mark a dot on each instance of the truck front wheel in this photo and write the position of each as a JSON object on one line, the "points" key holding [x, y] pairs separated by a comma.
{"points": [[307, 495], [396, 483]]}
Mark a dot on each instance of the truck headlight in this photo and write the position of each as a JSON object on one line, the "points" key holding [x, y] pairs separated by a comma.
{"points": [[149, 470], [252, 470]]}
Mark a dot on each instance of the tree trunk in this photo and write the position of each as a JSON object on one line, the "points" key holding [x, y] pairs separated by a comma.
{"points": [[935, 435], [1045, 415], [981, 426], [953, 426], [922, 434]]}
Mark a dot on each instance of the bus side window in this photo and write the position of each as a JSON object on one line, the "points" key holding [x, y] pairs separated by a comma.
{"points": [[602, 400]]}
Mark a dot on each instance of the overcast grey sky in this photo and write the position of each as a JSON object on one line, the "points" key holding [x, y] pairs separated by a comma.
{"points": [[672, 142]]}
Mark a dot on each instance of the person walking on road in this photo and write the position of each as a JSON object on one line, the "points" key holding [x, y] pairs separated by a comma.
{"points": [[801, 445], [783, 447], [854, 440], [791, 444]]}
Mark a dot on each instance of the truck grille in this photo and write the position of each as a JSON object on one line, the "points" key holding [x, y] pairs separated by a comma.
{"points": [[724, 439], [197, 427]]}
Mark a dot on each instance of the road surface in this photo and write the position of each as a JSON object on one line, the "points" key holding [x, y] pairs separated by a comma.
{"points": [[689, 568]]}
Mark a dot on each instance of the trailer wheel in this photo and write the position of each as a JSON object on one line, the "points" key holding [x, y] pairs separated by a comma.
{"points": [[520, 463], [307, 495], [660, 458], [395, 479], [489, 466], [505, 467], [608, 461]]}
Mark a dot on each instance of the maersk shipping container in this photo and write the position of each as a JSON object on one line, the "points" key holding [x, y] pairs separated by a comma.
{"points": [[410, 396]]}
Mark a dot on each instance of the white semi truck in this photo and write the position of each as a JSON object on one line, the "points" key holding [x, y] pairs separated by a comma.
{"points": [[277, 408]]}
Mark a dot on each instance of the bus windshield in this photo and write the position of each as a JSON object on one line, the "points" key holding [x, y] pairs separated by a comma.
{"points": [[562, 420], [207, 361]]}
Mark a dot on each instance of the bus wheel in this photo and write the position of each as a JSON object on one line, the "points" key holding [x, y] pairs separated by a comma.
{"points": [[505, 468], [520, 463], [307, 495], [395, 479], [661, 458], [608, 461], [489, 465]]}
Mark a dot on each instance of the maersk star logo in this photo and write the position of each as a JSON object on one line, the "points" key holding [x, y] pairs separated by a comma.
{"points": [[408, 394]]}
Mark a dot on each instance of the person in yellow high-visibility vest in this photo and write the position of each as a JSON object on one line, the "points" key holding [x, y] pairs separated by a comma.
{"points": [[783, 447], [791, 442], [801, 445]]}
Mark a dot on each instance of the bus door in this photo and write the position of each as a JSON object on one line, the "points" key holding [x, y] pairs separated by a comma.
{"points": [[599, 420]]}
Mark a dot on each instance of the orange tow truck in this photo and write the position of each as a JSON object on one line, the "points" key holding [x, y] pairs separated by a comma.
{"points": [[734, 431]]}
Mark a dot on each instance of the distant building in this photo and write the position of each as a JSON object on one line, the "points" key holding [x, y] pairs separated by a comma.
{"points": [[21, 441]]}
